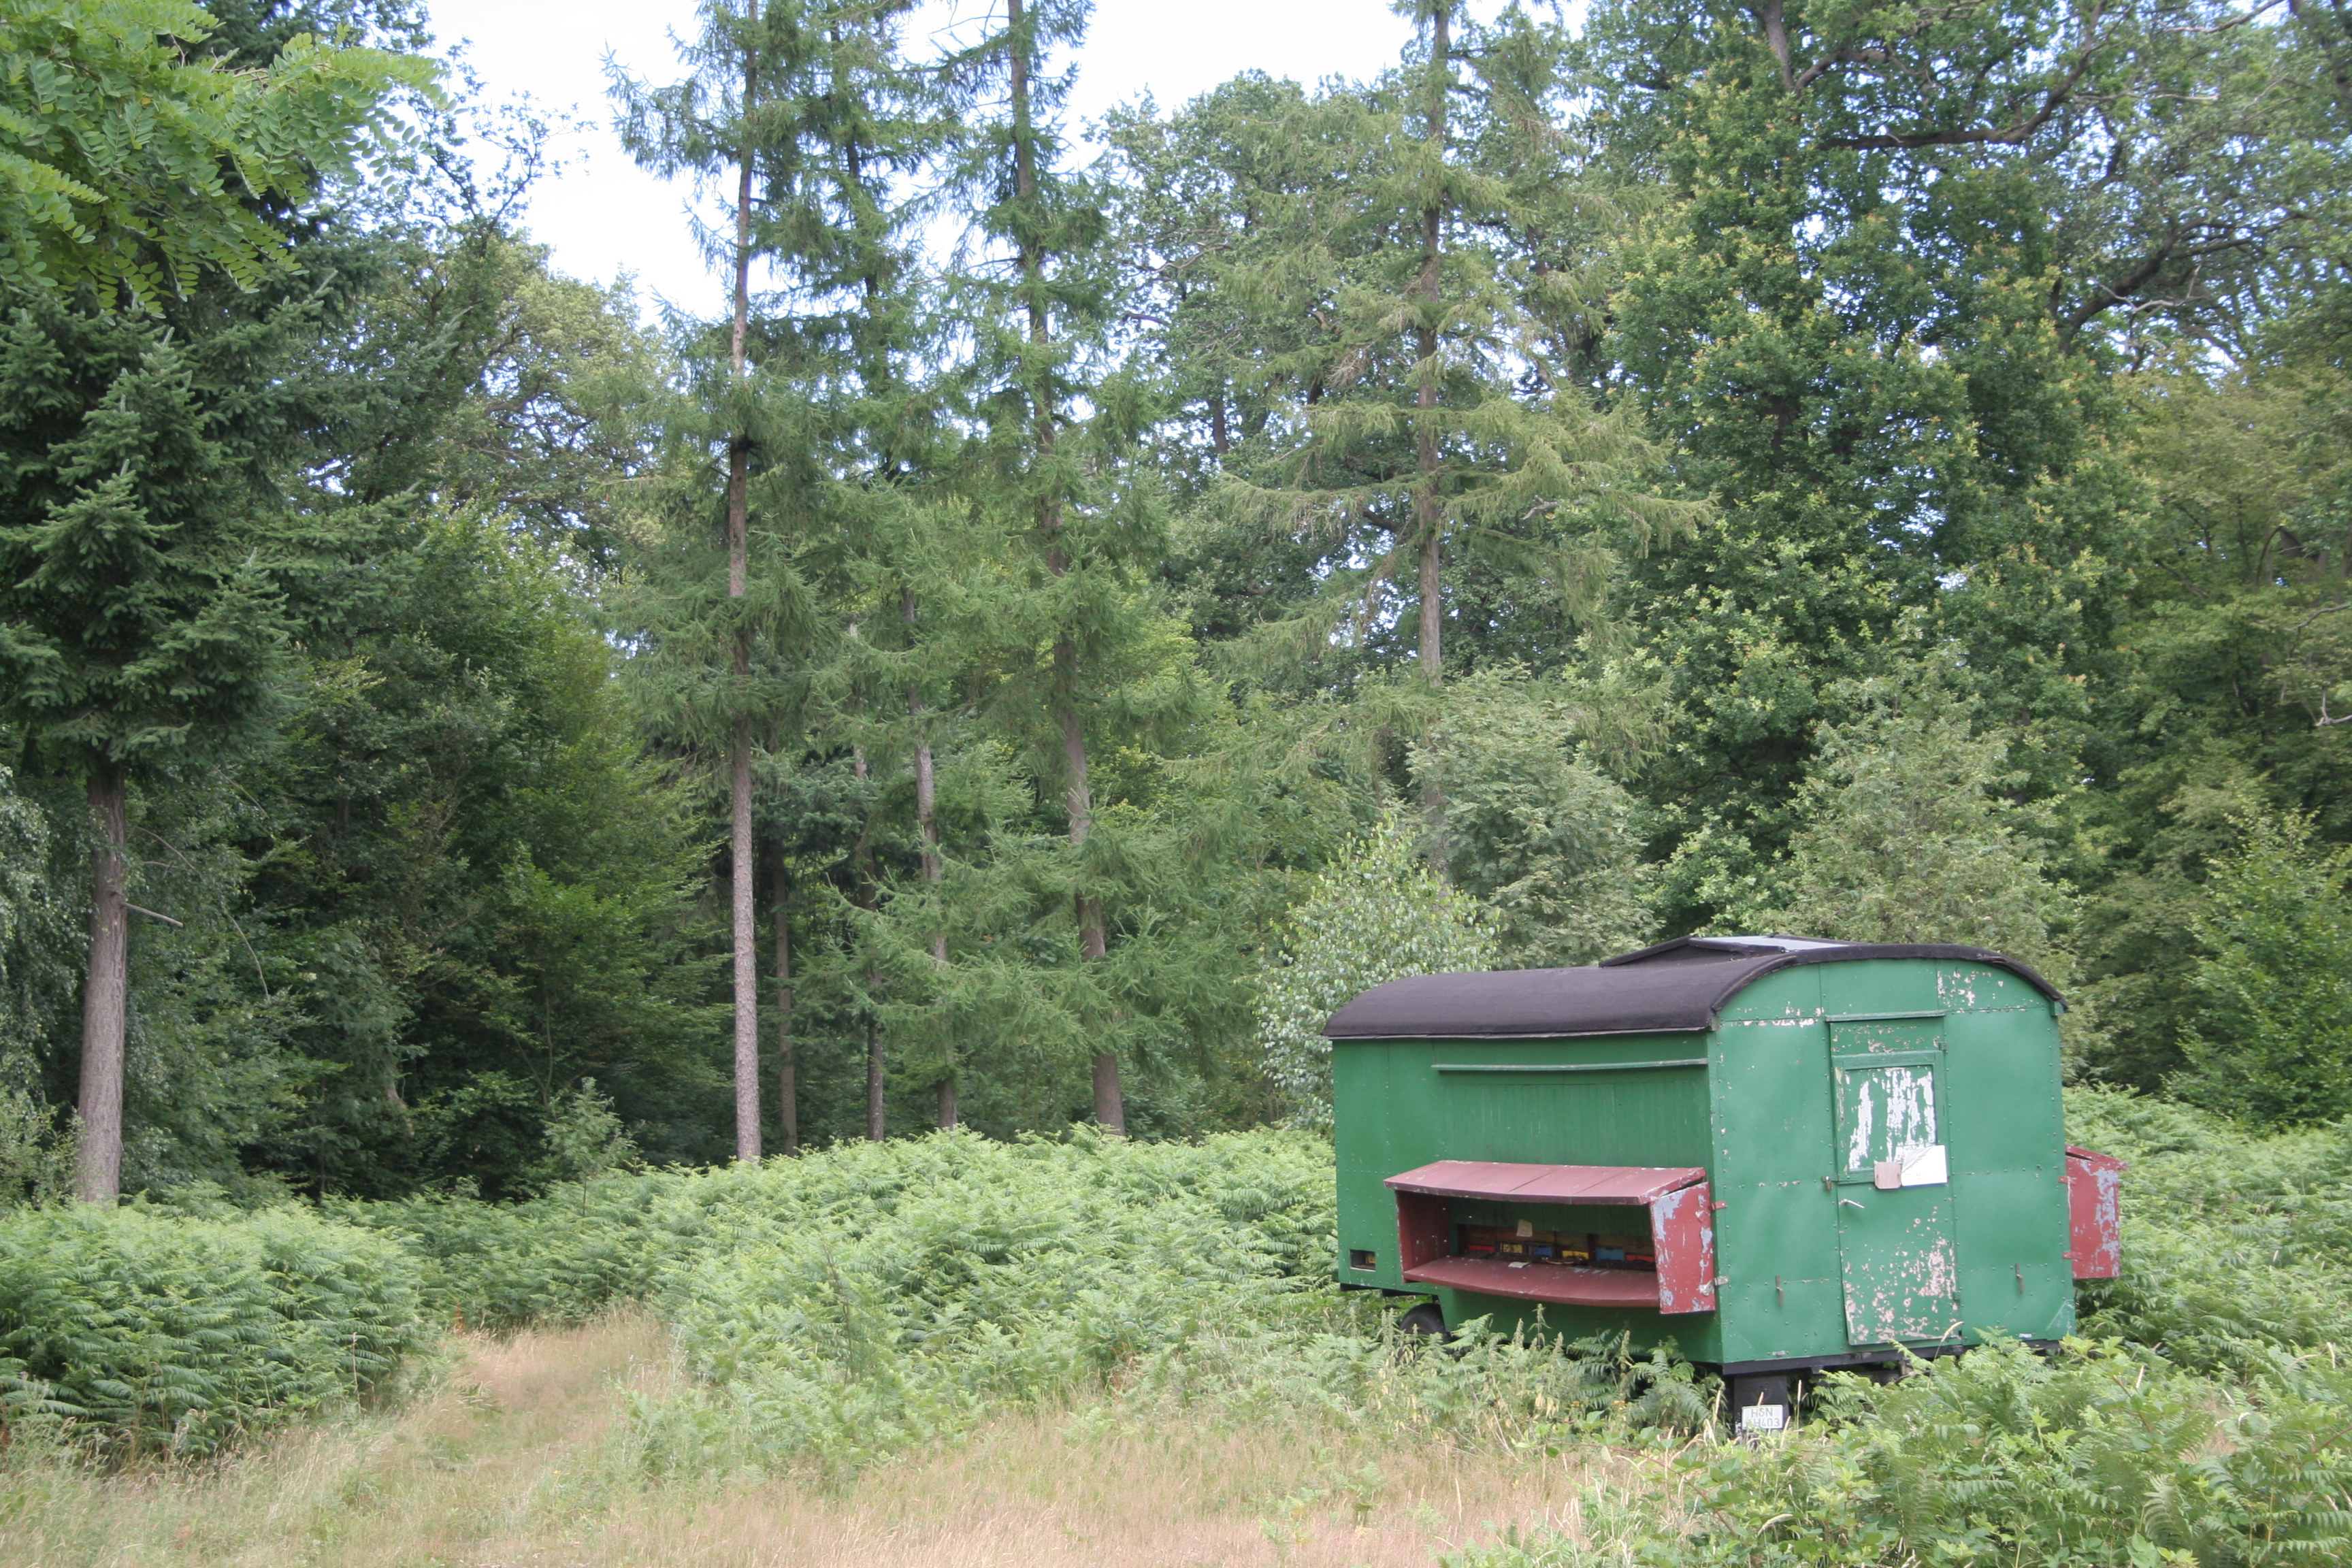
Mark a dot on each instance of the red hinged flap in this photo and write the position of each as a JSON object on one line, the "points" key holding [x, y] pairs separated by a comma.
{"points": [[1682, 1231], [2094, 1203], [1547, 1183], [1533, 1282]]}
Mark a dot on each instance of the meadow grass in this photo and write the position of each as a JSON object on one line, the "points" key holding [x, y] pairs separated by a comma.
{"points": [[947, 1351], [522, 1457]]}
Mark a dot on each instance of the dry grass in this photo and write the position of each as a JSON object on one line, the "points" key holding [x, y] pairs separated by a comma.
{"points": [[511, 1466]]}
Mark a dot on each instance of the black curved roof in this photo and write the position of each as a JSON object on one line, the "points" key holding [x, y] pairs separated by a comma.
{"points": [[1675, 988]]}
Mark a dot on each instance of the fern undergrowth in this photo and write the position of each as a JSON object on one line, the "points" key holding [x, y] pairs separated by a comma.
{"points": [[839, 1310]]}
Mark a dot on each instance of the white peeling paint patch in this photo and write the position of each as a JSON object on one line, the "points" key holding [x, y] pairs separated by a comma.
{"points": [[1859, 1137], [1890, 1112]]}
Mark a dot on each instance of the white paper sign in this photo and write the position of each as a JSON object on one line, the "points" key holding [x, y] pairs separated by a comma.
{"points": [[1926, 1167]]}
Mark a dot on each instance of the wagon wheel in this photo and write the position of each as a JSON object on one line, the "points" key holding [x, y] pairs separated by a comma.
{"points": [[1426, 1321]]}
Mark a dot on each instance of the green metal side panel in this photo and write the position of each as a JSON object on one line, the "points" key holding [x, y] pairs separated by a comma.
{"points": [[1992, 1039], [1399, 1104], [1380, 1111]]}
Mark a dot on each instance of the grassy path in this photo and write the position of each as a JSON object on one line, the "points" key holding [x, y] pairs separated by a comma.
{"points": [[511, 1464]]}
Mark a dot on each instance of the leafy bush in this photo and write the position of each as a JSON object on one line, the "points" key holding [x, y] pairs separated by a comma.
{"points": [[1542, 839], [1908, 835], [557, 1260], [2269, 1039], [844, 1306], [2100, 1457], [149, 1329], [35, 1152], [1377, 914], [2234, 1246]]}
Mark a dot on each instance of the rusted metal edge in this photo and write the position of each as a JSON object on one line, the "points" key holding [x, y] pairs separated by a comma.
{"points": [[1568, 1066], [1618, 1194], [1537, 1035], [1882, 1017]]}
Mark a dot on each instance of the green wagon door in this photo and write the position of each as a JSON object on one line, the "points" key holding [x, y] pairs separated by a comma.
{"points": [[1893, 1195]]}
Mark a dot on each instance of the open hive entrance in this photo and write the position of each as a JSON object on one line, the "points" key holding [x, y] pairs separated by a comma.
{"points": [[1596, 1235]]}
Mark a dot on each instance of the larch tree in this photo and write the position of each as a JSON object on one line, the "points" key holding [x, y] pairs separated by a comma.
{"points": [[1440, 414], [869, 127], [1056, 418]]}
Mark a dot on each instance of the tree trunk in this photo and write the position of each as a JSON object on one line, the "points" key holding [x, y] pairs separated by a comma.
{"points": [[738, 760], [787, 1080], [927, 823], [1428, 514], [874, 1105], [1109, 1109], [105, 1003]]}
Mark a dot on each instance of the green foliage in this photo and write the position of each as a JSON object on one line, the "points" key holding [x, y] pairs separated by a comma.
{"points": [[134, 159], [1377, 913], [40, 939], [1906, 833], [35, 1154], [1531, 829], [2236, 1247], [142, 569], [154, 1329], [561, 1258], [1870, 379], [2237, 641], [584, 1138], [2270, 1039], [2100, 1457], [842, 1308], [845, 1307], [480, 878]]}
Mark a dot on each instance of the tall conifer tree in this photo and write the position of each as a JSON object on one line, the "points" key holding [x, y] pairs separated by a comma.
{"points": [[709, 125], [148, 432], [1057, 419], [807, 110]]}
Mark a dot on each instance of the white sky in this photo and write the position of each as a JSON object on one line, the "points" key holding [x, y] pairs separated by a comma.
{"points": [[603, 215]]}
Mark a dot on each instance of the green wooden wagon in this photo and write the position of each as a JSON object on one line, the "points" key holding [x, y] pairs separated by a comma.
{"points": [[1776, 1153]]}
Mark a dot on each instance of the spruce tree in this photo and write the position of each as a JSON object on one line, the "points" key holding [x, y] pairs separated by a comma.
{"points": [[150, 433]]}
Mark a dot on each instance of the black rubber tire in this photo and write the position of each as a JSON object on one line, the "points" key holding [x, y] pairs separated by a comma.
{"points": [[1427, 1321]]}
